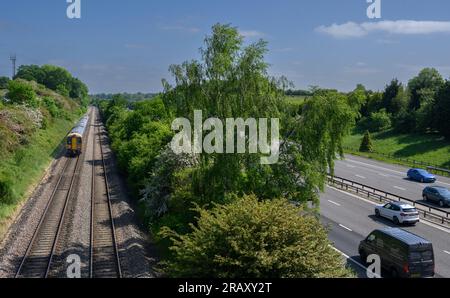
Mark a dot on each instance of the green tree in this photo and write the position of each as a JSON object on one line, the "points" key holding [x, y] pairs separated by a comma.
{"points": [[20, 92], [377, 121], [78, 89], [390, 95], [442, 110], [366, 143], [4, 82], [252, 239], [428, 78], [232, 81], [31, 73]]}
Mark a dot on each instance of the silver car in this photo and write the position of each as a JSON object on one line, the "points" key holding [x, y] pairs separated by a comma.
{"points": [[399, 213]]}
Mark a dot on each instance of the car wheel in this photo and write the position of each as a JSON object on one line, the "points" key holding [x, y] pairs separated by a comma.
{"points": [[425, 198], [377, 213], [396, 221], [422, 180], [441, 204]]}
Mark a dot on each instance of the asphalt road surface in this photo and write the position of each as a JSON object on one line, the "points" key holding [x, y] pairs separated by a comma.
{"points": [[351, 219], [383, 176]]}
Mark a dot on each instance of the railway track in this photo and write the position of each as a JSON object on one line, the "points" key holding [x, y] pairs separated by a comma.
{"points": [[104, 256], [38, 258]]}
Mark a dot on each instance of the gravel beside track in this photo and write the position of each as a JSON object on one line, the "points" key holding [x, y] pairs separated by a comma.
{"points": [[137, 254]]}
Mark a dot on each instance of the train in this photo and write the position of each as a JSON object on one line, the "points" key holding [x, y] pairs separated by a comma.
{"points": [[74, 145]]}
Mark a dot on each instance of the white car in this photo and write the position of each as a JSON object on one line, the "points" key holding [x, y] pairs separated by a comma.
{"points": [[399, 213]]}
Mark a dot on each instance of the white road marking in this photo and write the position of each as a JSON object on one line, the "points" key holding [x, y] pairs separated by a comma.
{"points": [[344, 227], [350, 166], [400, 188], [386, 169], [375, 204], [447, 252], [337, 204], [353, 261], [359, 176], [384, 175], [373, 166]]}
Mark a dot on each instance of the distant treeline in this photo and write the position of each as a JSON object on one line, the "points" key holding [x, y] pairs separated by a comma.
{"points": [[54, 78], [291, 92], [421, 106], [128, 96]]}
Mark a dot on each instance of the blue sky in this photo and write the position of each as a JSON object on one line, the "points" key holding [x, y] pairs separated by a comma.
{"points": [[128, 45]]}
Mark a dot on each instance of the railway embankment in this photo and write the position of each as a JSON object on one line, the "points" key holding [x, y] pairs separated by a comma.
{"points": [[32, 128]]}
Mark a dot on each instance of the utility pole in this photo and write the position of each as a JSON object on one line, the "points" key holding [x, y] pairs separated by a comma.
{"points": [[13, 59]]}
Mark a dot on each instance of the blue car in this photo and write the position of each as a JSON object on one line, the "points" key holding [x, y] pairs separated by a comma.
{"points": [[437, 194], [421, 176]]}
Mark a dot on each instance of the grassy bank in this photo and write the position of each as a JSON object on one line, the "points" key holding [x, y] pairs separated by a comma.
{"points": [[397, 148], [25, 167], [33, 123]]}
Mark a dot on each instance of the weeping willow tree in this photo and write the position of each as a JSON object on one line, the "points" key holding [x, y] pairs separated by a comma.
{"points": [[231, 80]]}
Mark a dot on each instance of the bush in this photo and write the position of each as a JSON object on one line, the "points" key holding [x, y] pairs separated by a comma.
{"points": [[366, 143], [251, 239], [6, 192], [20, 92], [50, 104], [4, 82], [377, 121]]}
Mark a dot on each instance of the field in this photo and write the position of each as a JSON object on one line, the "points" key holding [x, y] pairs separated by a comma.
{"points": [[296, 100], [429, 148]]}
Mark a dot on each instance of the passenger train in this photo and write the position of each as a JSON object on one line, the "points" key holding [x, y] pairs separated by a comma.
{"points": [[74, 145]]}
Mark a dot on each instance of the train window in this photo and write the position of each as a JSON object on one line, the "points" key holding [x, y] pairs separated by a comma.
{"points": [[79, 140], [69, 141]]}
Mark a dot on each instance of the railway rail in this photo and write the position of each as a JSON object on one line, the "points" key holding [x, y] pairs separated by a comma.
{"points": [[38, 258], [104, 254]]}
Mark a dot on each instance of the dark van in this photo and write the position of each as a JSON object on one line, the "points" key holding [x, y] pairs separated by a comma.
{"points": [[402, 253]]}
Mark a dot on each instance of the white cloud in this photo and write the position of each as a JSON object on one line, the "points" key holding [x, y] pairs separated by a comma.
{"points": [[251, 33], [406, 27]]}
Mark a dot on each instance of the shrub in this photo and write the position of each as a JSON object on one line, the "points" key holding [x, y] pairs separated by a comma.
{"points": [[4, 82], [6, 192], [20, 92], [50, 104], [366, 143], [377, 121], [251, 239]]}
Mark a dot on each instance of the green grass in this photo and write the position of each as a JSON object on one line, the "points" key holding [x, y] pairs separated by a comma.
{"points": [[296, 100], [427, 148], [26, 165]]}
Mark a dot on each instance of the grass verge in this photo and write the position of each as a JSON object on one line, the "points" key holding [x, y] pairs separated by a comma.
{"points": [[24, 167], [405, 149]]}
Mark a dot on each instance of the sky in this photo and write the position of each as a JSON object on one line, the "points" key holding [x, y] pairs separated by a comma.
{"points": [[128, 46]]}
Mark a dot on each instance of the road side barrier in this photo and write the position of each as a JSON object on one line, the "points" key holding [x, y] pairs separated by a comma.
{"points": [[444, 172], [411, 162], [426, 210]]}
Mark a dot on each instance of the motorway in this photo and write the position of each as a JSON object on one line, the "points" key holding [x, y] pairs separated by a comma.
{"points": [[386, 177], [351, 218]]}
